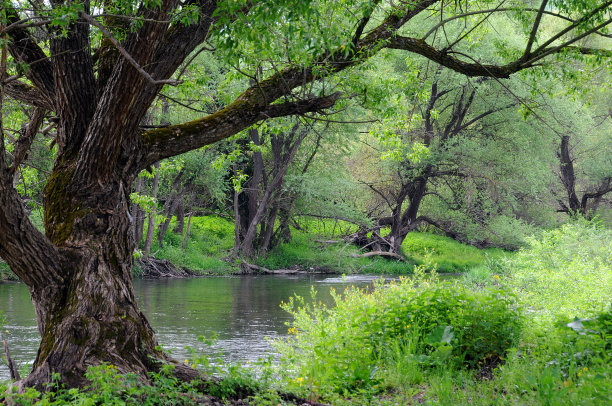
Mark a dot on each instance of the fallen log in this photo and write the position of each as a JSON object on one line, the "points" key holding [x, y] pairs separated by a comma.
{"points": [[153, 268], [381, 254], [260, 270]]}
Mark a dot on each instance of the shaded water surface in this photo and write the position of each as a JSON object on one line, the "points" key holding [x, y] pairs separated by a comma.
{"points": [[242, 311]]}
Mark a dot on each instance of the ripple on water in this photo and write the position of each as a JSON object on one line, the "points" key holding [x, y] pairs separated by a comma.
{"points": [[241, 311]]}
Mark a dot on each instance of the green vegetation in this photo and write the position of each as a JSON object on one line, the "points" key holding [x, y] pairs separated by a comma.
{"points": [[448, 254], [487, 122], [567, 272], [108, 387], [429, 342], [211, 240], [482, 340], [418, 321]]}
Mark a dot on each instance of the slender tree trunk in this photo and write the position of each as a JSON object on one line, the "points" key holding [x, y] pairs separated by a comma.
{"points": [[151, 224], [567, 175], [253, 191], [180, 217], [170, 207], [268, 227], [188, 231], [237, 220], [139, 215]]}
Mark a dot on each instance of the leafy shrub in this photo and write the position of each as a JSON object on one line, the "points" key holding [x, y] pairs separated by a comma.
{"points": [[567, 272], [108, 387], [509, 233], [344, 349]]}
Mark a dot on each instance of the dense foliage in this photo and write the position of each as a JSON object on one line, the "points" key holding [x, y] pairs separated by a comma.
{"points": [[344, 349]]}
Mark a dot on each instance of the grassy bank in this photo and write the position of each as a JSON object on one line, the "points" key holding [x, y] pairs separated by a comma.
{"points": [[211, 240]]}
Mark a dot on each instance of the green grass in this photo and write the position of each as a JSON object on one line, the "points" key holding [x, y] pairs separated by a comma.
{"points": [[564, 274], [212, 239], [305, 253], [448, 254]]}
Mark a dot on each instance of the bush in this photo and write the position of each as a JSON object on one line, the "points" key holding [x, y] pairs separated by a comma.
{"points": [[346, 348], [567, 272]]}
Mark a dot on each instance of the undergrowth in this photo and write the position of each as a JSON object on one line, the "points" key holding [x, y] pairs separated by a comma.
{"points": [[483, 340]]}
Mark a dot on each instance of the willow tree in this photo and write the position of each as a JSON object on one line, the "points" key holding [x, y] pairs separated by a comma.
{"points": [[97, 66]]}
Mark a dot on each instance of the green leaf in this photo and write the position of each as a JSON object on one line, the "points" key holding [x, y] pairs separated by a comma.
{"points": [[440, 334]]}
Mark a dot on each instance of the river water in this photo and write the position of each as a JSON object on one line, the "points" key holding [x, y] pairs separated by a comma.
{"points": [[241, 311]]}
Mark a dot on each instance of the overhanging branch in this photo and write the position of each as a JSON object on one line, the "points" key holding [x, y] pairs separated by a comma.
{"points": [[418, 46], [173, 140]]}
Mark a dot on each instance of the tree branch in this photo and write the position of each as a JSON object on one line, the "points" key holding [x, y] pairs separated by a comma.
{"points": [[126, 55], [24, 49], [487, 11], [255, 103], [22, 147], [177, 139], [27, 95], [534, 29], [418, 46], [575, 24]]}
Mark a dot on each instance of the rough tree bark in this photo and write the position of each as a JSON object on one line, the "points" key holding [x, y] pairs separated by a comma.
{"points": [[139, 215]]}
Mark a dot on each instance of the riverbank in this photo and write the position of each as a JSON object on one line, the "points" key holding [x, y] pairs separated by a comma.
{"points": [[536, 329], [316, 247]]}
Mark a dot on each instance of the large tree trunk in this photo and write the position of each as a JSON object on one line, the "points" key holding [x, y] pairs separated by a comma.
{"points": [[79, 279]]}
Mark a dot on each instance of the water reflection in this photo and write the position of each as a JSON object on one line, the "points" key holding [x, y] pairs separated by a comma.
{"points": [[242, 311]]}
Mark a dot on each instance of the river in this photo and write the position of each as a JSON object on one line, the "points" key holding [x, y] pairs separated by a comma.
{"points": [[241, 311]]}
